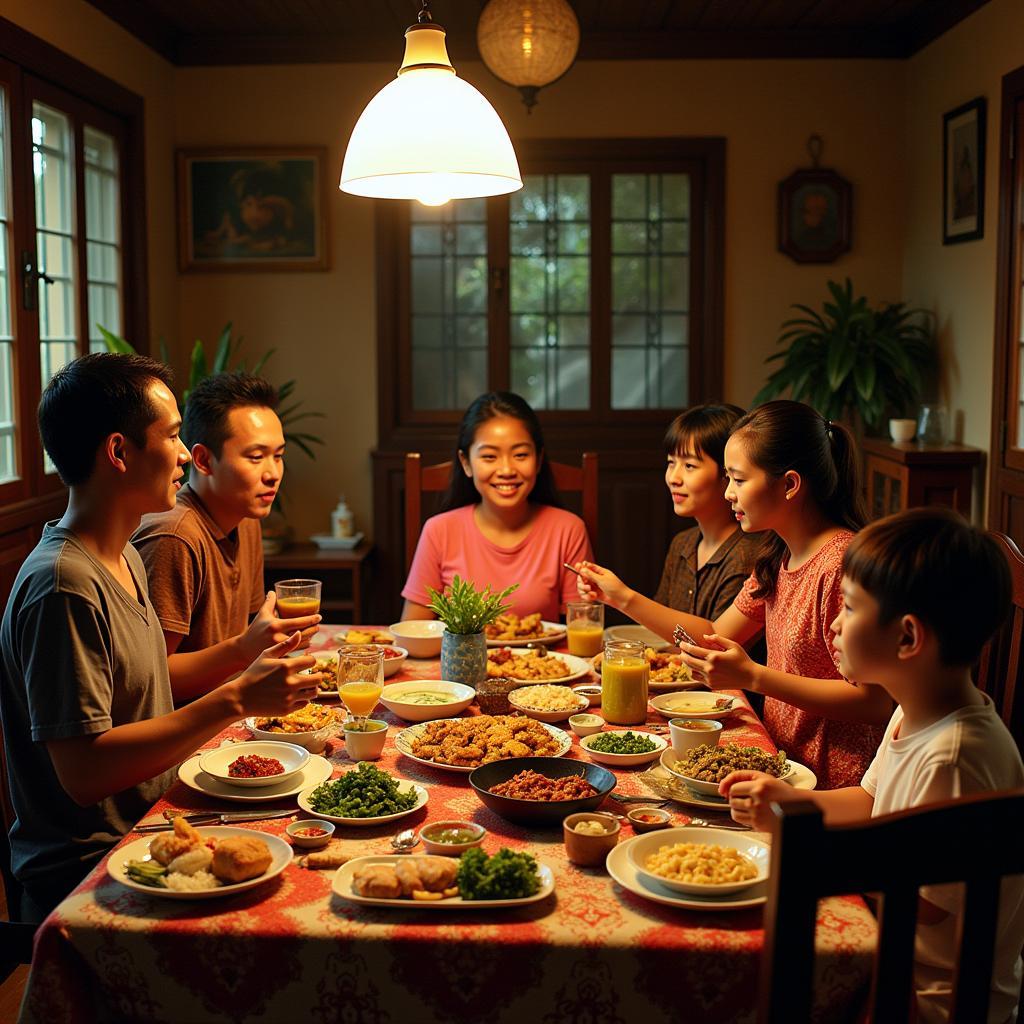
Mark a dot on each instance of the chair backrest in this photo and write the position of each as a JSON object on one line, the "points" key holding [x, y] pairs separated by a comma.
{"points": [[1001, 668], [970, 840], [420, 479]]}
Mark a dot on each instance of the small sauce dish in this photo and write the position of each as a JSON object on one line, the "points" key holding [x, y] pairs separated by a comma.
{"points": [[451, 838], [586, 725], [590, 847], [591, 691], [310, 834], [647, 819]]}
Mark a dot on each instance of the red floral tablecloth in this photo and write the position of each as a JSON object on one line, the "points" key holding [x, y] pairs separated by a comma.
{"points": [[291, 951]]}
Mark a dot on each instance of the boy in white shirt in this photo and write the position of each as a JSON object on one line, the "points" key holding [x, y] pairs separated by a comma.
{"points": [[923, 592]]}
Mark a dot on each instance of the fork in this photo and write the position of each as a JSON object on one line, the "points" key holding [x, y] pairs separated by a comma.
{"points": [[704, 823]]}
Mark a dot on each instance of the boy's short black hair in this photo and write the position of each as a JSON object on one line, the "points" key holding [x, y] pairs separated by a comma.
{"points": [[930, 562], [91, 398], [210, 403], [702, 429]]}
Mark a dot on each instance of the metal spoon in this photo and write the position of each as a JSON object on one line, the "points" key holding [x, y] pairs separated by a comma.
{"points": [[404, 841]]}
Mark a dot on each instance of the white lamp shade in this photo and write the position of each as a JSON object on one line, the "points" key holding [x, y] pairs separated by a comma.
{"points": [[428, 135]]}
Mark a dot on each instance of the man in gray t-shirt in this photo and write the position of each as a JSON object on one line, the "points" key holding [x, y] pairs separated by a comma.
{"points": [[89, 732]]}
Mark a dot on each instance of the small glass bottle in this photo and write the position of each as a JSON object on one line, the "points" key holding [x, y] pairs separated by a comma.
{"points": [[342, 523], [624, 677]]}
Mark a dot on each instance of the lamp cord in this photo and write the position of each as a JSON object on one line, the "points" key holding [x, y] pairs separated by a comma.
{"points": [[424, 17]]}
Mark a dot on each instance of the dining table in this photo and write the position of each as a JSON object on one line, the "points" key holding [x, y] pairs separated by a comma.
{"points": [[291, 950]]}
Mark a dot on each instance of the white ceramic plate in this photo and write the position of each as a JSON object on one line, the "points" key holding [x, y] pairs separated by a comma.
{"points": [[577, 667], [622, 870], [798, 776], [461, 697], [646, 636], [624, 760], [326, 542], [681, 793], [755, 850], [547, 716], [138, 849], [404, 786], [342, 886], [291, 756], [403, 742], [554, 633], [694, 704], [379, 636], [699, 785], [318, 769]]}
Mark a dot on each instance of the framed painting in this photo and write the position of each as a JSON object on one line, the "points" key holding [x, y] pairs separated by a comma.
{"points": [[963, 173], [242, 208], [815, 214]]}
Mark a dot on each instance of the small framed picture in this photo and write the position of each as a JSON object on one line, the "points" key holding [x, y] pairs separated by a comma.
{"points": [[963, 173], [252, 208], [815, 214]]}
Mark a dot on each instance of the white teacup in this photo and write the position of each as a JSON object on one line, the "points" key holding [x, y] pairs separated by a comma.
{"points": [[688, 733], [902, 430], [365, 744]]}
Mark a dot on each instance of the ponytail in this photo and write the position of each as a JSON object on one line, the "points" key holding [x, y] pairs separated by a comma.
{"points": [[784, 435]]}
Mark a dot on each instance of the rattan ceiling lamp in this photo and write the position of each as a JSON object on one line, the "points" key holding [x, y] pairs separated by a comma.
{"points": [[429, 135], [528, 43]]}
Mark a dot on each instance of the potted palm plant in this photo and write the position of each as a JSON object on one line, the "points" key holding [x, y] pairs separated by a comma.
{"points": [[465, 611], [852, 362]]}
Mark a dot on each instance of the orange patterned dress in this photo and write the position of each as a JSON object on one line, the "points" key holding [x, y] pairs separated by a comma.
{"points": [[796, 621]]}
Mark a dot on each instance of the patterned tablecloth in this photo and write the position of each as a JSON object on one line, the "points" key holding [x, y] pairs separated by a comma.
{"points": [[291, 951]]}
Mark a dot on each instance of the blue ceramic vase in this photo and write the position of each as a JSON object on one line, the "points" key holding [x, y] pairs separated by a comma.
{"points": [[464, 658]]}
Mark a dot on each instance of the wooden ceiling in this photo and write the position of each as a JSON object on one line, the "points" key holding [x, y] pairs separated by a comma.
{"points": [[193, 32]]}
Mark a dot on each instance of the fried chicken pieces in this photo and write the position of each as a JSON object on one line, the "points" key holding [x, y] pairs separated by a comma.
{"points": [[235, 859], [418, 878], [471, 742]]}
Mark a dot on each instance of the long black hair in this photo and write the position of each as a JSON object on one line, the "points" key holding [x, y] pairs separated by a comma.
{"points": [[704, 429], [497, 403], [784, 435]]}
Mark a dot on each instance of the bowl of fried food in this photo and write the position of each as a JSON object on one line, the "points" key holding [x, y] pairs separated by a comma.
{"points": [[310, 727], [704, 767], [706, 862], [541, 790]]}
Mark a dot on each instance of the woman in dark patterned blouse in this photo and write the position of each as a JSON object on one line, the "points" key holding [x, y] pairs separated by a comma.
{"points": [[707, 564]]}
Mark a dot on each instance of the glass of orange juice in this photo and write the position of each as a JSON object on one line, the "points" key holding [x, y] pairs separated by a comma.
{"points": [[625, 674], [584, 623], [360, 678], [297, 597]]}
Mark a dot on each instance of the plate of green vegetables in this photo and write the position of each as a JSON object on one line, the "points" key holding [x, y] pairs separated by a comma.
{"points": [[366, 795], [623, 748]]}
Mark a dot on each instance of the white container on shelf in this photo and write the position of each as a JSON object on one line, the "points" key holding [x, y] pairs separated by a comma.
{"points": [[342, 521]]}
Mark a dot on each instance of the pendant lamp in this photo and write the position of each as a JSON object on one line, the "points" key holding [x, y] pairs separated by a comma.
{"points": [[429, 135], [528, 43]]}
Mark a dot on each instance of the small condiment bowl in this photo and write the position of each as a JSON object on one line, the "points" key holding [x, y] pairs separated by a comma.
{"points": [[661, 818], [592, 691], [586, 725], [295, 829], [451, 849], [365, 744], [687, 733], [586, 850]]}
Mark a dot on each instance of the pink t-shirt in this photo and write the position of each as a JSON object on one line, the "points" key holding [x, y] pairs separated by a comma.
{"points": [[451, 543], [796, 621]]}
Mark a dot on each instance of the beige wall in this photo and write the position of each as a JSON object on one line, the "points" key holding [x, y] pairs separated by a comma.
{"points": [[958, 281]]}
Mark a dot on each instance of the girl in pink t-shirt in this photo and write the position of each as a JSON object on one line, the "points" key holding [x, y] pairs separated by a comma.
{"points": [[794, 474], [501, 521]]}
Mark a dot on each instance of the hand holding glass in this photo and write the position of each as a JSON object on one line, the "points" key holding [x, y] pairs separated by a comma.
{"points": [[296, 598]]}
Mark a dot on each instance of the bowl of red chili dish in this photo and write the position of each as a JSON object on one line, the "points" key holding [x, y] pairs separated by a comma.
{"points": [[256, 763]]}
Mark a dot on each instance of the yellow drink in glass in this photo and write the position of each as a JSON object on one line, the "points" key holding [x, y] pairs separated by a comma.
{"points": [[295, 607], [624, 678], [360, 697], [585, 640]]}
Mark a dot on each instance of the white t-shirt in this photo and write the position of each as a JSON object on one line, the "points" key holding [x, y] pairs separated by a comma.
{"points": [[969, 751]]}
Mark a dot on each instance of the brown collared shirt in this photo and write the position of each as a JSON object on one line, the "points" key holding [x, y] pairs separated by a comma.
{"points": [[710, 590]]}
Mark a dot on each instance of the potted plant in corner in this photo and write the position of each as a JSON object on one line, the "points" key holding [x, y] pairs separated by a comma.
{"points": [[853, 362], [465, 611]]}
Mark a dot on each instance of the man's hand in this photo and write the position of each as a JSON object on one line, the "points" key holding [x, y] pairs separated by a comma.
{"points": [[267, 629], [275, 684]]}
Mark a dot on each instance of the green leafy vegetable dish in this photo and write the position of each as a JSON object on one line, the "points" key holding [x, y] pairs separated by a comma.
{"points": [[505, 876], [366, 792], [622, 743]]}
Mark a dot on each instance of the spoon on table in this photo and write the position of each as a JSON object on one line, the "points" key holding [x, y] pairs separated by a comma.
{"points": [[404, 841]]}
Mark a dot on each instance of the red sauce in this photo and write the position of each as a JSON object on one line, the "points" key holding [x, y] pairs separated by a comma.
{"points": [[647, 818], [311, 833], [252, 766]]}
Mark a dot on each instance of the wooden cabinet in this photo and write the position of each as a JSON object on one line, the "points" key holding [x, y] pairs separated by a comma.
{"points": [[907, 475], [341, 600]]}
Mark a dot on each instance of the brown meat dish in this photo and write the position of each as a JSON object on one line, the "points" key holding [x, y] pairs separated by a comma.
{"points": [[239, 858]]}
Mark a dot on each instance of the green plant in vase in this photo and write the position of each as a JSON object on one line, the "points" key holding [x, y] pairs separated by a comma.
{"points": [[465, 611]]}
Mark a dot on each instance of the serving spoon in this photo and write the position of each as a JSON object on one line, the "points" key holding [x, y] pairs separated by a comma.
{"points": [[404, 841]]}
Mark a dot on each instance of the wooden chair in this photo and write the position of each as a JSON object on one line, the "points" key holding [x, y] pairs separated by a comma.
{"points": [[1001, 669], [420, 479], [971, 840], [15, 936]]}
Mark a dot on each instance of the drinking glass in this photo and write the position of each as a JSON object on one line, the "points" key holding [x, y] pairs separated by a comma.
{"points": [[931, 426], [584, 623], [360, 679], [296, 598], [625, 674]]}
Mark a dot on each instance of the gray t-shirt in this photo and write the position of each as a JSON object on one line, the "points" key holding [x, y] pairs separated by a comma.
{"points": [[80, 655]]}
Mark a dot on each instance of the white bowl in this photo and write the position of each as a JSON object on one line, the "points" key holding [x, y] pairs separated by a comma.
{"points": [[314, 741], [309, 842], [547, 716], [216, 762], [392, 665], [362, 744], [586, 725], [901, 430], [624, 760], [644, 846], [694, 704], [671, 760], [451, 849], [461, 696], [688, 733], [420, 637]]}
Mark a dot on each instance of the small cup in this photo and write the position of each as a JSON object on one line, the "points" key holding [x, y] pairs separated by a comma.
{"points": [[591, 691], [589, 850], [365, 743], [688, 733], [657, 817], [296, 828], [297, 597], [451, 849], [902, 431], [586, 725]]}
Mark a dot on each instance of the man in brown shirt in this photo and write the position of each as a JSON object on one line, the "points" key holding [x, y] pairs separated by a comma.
{"points": [[204, 557]]}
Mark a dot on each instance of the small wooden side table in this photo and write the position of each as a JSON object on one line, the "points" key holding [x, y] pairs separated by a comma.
{"points": [[306, 559], [903, 475]]}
